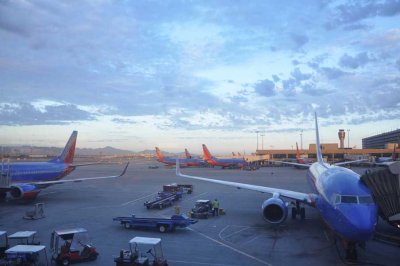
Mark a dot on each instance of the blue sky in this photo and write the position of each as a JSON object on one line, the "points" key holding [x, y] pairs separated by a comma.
{"points": [[176, 74]]}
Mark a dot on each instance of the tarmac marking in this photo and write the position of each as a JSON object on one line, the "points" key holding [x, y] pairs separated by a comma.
{"points": [[231, 248], [326, 235], [132, 201], [197, 263], [231, 234]]}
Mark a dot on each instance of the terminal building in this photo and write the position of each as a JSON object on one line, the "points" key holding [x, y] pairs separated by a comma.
{"points": [[381, 141], [333, 152]]}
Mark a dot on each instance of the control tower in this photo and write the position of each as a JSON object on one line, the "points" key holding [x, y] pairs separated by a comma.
{"points": [[341, 135]]}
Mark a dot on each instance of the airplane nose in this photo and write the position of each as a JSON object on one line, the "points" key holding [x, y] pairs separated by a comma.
{"points": [[361, 221]]}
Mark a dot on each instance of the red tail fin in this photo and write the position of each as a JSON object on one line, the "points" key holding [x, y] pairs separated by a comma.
{"points": [[67, 155], [233, 154], [188, 156], [159, 154], [207, 154]]}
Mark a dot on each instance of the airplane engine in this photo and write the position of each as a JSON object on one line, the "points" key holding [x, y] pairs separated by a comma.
{"points": [[275, 210], [24, 191]]}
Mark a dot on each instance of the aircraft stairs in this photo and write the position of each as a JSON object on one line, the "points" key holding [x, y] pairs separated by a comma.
{"points": [[5, 176], [385, 187]]}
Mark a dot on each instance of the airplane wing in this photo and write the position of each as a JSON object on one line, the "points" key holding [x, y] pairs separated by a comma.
{"points": [[94, 163], [78, 179], [349, 162], [295, 164], [303, 197]]}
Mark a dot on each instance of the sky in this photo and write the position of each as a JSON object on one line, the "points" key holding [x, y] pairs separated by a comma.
{"points": [[176, 74]]}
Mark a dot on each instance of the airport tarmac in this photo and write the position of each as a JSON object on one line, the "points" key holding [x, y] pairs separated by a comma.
{"points": [[241, 237]]}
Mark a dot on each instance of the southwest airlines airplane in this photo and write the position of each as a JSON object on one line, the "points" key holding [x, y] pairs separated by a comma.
{"points": [[172, 161], [226, 162], [345, 203], [25, 180]]}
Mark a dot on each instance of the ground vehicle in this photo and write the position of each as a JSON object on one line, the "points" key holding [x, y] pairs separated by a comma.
{"points": [[3, 243], [26, 255], [135, 257], [163, 199], [161, 224], [202, 209], [188, 188], [75, 246], [23, 238]]}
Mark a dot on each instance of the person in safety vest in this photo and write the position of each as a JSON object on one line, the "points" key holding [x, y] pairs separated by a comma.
{"points": [[215, 207]]}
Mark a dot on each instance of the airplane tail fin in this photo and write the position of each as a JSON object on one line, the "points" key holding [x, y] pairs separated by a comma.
{"points": [[239, 154], [233, 154], [159, 155], [188, 156], [67, 155], [297, 151], [207, 154], [318, 144]]}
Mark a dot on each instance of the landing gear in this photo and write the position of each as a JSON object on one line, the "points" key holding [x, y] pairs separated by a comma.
{"points": [[297, 210], [351, 252]]}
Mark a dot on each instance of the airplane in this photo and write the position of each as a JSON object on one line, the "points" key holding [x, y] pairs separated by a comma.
{"points": [[344, 203], [172, 161], [302, 160], [228, 162], [383, 160], [26, 180], [188, 156]]}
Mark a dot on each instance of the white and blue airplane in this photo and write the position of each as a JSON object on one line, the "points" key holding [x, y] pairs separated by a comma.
{"points": [[26, 180], [343, 201]]}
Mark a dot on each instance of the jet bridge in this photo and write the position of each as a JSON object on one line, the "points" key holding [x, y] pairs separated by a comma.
{"points": [[5, 177], [385, 186]]}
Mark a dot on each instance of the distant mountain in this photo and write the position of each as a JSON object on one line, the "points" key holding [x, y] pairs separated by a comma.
{"points": [[55, 151]]}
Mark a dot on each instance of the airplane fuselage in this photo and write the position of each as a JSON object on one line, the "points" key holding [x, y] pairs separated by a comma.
{"points": [[183, 162], [227, 162], [37, 171], [344, 202]]}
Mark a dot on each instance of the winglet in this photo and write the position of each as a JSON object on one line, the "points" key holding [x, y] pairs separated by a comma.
{"points": [[178, 168], [318, 144], [124, 171]]}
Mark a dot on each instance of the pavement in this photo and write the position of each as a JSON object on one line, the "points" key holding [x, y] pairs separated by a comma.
{"points": [[241, 237]]}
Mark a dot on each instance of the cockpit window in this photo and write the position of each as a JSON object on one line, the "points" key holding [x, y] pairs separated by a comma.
{"points": [[353, 199], [365, 200], [349, 199]]}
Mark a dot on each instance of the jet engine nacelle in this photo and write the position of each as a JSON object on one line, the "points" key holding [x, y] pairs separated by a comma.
{"points": [[24, 191], [275, 210]]}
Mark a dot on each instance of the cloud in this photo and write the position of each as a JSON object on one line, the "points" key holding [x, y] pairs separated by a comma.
{"points": [[333, 73], [265, 88], [299, 40], [27, 114], [354, 12], [357, 61], [299, 76], [398, 64]]}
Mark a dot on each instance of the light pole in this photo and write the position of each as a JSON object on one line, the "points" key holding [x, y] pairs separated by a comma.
{"points": [[301, 140], [262, 141], [257, 139], [348, 138]]}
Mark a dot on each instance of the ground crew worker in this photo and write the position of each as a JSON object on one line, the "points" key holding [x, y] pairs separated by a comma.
{"points": [[215, 207]]}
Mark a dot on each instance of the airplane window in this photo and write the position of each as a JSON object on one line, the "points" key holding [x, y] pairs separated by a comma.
{"points": [[349, 199], [365, 200]]}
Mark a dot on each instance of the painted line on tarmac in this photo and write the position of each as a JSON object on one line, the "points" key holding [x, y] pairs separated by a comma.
{"points": [[132, 201], [231, 234], [199, 263], [231, 248]]}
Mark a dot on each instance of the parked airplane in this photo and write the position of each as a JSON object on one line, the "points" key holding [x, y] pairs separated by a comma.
{"points": [[25, 180], [345, 203], [228, 162], [382, 160], [188, 156], [172, 161], [302, 160]]}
